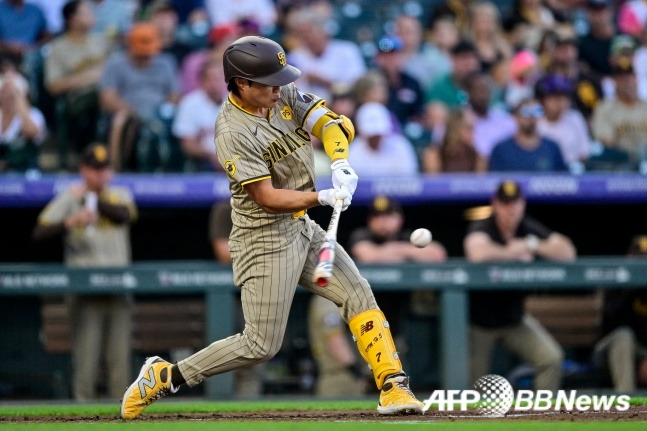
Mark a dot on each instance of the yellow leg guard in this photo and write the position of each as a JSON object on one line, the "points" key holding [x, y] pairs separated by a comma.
{"points": [[371, 333]]}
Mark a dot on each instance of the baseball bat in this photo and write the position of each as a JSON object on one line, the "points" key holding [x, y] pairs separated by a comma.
{"points": [[326, 254]]}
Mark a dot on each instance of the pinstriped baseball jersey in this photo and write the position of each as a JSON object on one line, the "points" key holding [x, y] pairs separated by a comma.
{"points": [[252, 148], [272, 253]]}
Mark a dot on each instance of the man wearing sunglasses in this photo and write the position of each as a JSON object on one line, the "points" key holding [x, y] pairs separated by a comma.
{"points": [[527, 150]]}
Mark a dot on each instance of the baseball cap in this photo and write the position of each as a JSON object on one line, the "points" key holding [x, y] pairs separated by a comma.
{"points": [[508, 191], [554, 83], [221, 32], [383, 205], [638, 245], [373, 119], [598, 4], [144, 39], [522, 62], [622, 44], [96, 156], [390, 43]]}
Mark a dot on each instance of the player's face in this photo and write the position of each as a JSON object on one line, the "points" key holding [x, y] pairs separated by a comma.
{"points": [[96, 179], [509, 213], [386, 225], [261, 96]]}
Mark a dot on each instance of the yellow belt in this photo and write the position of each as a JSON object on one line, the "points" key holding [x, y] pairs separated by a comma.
{"points": [[298, 214]]}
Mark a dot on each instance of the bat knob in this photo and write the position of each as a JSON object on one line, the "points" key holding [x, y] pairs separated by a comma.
{"points": [[322, 282]]}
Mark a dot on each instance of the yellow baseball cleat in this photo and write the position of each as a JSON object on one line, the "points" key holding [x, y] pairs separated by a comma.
{"points": [[397, 398], [152, 383]]}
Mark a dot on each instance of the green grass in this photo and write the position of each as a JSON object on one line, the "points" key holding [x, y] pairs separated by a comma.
{"points": [[110, 411], [168, 406]]}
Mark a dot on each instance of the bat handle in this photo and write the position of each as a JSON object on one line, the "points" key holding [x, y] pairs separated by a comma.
{"points": [[322, 282]]}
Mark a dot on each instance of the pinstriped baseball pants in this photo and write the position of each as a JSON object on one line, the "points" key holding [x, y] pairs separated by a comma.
{"points": [[268, 276]]}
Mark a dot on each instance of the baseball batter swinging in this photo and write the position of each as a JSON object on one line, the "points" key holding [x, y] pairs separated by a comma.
{"points": [[262, 141]]}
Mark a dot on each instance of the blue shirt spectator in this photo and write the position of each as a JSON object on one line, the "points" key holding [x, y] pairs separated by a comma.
{"points": [[23, 24], [21, 27], [509, 156], [526, 150]]}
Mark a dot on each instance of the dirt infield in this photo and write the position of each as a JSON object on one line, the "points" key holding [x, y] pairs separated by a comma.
{"points": [[635, 413]]}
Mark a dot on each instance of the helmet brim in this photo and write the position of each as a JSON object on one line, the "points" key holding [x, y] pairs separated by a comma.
{"points": [[284, 76]]}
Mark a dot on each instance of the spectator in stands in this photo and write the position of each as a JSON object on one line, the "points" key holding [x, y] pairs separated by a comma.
{"points": [[566, 126], [138, 88], [323, 61], [52, 11], [456, 153], [371, 87], [486, 34], [527, 23], [379, 150], [22, 28], [457, 11], [594, 48], [73, 69], [163, 15], [527, 150], [623, 348], [621, 123], [406, 97], [443, 36], [587, 87], [248, 381], [450, 90], [640, 65], [263, 12], [384, 240], [509, 235], [94, 217], [524, 70], [190, 11], [22, 126], [340, 373], [632, 18], [423, 61], [219, 38], [491, 123], [195, 119], [113, 19]]}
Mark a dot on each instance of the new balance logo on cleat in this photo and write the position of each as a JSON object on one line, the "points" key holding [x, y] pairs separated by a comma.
{"points": [[366, 327], [152, 383], [149, 383]]}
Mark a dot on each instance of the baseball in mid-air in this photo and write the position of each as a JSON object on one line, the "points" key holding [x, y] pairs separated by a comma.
{"points": [[420, 237]]}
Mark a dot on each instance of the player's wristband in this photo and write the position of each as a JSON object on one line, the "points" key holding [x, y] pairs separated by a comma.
{"points": [[355, 370]]}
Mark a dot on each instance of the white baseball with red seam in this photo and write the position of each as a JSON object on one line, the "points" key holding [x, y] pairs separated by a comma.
{"points": [[420, 237]]}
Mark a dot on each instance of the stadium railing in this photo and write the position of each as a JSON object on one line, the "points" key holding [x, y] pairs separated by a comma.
{"points": [[452, 280]]}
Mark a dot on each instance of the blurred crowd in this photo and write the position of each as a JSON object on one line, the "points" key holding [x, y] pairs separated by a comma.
{"points": [[432, 86]]}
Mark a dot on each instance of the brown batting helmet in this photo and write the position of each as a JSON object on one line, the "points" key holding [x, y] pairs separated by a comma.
{"points": [[258, 59]]}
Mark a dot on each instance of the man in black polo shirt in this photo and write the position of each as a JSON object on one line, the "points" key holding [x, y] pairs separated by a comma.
{"points": [[509, 235], [623, 349]]}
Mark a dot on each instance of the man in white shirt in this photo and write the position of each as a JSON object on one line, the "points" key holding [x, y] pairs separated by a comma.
{"points": [[378, 150], [196, 115], [566, 126], [323, 61]]}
